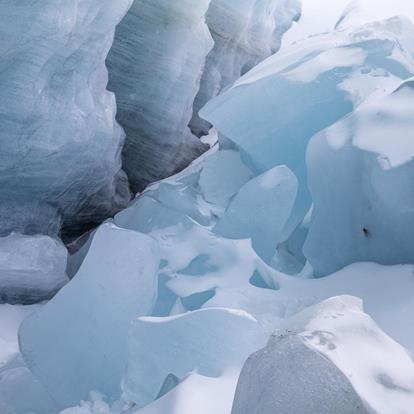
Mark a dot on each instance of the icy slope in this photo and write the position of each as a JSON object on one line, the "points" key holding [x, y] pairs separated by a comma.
{"points": [[272, 112], [59, 159], [364, 210]]}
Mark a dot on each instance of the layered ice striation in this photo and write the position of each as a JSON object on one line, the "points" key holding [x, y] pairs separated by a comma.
{"points": [[32, 268], [337, 357], [244, 34], [273, 111], [195, 51], [77, 343], [60, 143], [155, 101], [363, 212]]}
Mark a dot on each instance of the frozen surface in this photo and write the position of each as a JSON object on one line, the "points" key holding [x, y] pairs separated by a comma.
{"points": [[250, 216], [272, 112], [363, 209], [78, 341], [206, 342], [60, 143], [32, 268], [155, 102]]}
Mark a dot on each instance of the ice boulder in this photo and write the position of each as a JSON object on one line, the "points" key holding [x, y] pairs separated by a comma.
{"points": [[32, 268], [77, 343], [222, 176], [360, 178], [273, 111], [339, 359], [59, 161], [260, 211], [206, 341], [245, 33], [155, 101], [287, 377]]}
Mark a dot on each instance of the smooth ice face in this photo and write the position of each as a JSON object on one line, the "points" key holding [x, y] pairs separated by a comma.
{"points": [[60, 143], [222, 176], [338, 358], [260, 211], [77, 343], [245, 33], [32, 268], [206, 342], [155, 105], [363, 207], [272, 112]]}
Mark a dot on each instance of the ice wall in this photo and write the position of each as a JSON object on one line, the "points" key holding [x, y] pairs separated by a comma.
{"points": [[59, 160], [245, 33], [155, 66], [156, 102]]}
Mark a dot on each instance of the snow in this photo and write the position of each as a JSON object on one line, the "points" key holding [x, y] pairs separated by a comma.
{"points": [[206, 342]]}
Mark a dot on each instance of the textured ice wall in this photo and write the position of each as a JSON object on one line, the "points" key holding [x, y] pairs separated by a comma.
{"points": [[155, 66], [59, 140], [161, 51], [244, 32], [363, 207]]}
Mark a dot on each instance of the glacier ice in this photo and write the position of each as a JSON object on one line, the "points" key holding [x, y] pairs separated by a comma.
{"points": [[272, 112], [77, 342], [60, 143], [206, 342], [32, 268], [244, 34], [198, 50], [249, 215], [339, 359], [154, 102], [363, 212]]}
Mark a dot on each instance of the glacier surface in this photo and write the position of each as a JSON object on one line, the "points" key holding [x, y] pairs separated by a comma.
{"points": [[287, 244]]}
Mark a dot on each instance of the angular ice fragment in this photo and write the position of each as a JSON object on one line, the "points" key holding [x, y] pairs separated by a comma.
{"points": [[59, 139], [260, 211], [360, 173], [207, 342], [77, 343], [32, 268], [223, 174]]}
